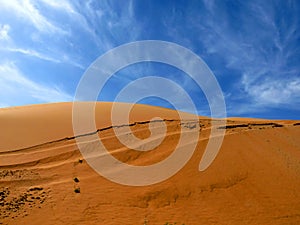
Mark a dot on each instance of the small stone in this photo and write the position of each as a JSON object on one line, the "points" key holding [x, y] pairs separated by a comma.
{"points": [[77, 190]]}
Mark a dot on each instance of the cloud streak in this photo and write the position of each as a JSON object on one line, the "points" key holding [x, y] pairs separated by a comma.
{"points": [[32, 53], [256, 41], [4, 29], [14, 84], [27, 10]]}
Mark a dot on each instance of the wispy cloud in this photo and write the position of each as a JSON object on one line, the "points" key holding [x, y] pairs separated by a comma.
{"points": [[255, 41], [31, 53], [281, 92], [26, 10], [63, 5], [107, 26], [4, 29], [64, 58], [43, 37], [17, 89]]}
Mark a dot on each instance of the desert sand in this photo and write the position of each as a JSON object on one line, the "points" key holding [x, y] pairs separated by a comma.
{"points": [[44, 179]]}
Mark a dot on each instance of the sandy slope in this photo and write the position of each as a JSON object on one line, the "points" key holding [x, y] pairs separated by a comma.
{"points": [[255, 178]]}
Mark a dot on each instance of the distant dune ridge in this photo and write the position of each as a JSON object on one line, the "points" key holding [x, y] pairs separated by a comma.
{"points": [[44, 179]]}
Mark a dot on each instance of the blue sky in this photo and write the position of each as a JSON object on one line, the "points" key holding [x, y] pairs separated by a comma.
{"points": [[252, 47]]}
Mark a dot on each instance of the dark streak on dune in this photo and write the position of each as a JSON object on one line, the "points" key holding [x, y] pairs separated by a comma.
{"points": [[87, 134], [266, 124], [232, 126]]}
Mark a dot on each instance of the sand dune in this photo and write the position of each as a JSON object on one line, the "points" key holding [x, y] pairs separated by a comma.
{"points": [[44, 179]]}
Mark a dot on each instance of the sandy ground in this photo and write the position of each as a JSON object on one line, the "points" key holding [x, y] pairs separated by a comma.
{"points": [[255, 178]]}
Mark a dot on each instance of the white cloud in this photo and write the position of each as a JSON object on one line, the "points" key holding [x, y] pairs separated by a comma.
{"points": [[27, 10], [32, 53], [4, 29], [276, 92], [39, 44], [60, 5], [105, 25], [82, 19], [17, 89], [256, 46]]}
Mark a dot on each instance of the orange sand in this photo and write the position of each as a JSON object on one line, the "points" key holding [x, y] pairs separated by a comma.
{"points": [[255, 178]]}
